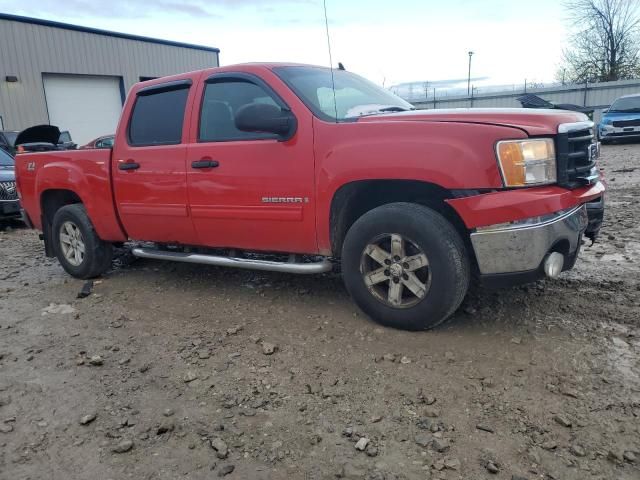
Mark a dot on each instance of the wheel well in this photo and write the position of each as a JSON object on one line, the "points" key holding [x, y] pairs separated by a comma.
{"points": [[353, 200], [50, 202]]}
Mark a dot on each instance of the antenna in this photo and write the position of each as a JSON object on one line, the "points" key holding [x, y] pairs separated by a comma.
{"points": [[333, 82]]}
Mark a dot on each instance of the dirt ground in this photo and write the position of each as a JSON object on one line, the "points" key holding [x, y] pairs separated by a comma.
{"points": [[174, 371]]}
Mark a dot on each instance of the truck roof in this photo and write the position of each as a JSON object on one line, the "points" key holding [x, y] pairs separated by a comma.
{"points": [[235, 67]]}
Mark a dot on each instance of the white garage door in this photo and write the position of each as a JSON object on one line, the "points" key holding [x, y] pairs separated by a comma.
{"points": [[87, 106]]}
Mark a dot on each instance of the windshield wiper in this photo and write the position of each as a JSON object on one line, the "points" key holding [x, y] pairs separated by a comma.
{"points": [[626, 110], [395, 109]]}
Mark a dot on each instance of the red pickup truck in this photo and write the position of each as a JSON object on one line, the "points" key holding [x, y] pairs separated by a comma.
{"points": [[299, 169]]}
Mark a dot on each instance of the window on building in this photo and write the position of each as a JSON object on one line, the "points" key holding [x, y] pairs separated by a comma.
{"points": [[158, 116]]}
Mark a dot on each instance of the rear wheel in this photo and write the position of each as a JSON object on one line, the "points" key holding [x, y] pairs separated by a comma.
{"points": [[76, 244], [405, 265]]}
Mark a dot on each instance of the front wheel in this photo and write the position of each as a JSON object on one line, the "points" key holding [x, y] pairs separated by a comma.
{"points": [[405, 266], [79, 249]]}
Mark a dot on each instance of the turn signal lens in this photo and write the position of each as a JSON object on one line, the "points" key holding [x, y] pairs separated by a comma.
{"points": [[527, 162]]}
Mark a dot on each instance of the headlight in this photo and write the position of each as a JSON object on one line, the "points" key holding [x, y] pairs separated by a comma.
{"points": [[607, 121], [527, 162]]}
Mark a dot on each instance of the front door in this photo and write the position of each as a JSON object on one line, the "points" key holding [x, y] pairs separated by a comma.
{"points": [[249, 190], [149, 170]]}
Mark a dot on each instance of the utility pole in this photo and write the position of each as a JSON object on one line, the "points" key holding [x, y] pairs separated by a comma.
{"points": [[469, 76]]}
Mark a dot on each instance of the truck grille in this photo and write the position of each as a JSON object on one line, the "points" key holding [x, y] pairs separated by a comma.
{"points": [[627, 123], [576, 153], [8, 191]]}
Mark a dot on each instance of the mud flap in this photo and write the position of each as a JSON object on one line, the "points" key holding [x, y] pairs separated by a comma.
{"points": [[47, 237]]}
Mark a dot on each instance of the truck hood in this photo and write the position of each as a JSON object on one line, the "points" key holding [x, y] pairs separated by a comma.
{"points": [[532, 121]]}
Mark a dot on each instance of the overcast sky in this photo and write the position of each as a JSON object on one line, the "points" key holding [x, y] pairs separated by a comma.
{"points": [[390, 41]]}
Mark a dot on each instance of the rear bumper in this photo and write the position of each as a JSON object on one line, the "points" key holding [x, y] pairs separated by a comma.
{"points": [[522, 249]]}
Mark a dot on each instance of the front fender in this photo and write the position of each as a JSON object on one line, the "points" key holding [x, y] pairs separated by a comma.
{"points": [[450, 155]]}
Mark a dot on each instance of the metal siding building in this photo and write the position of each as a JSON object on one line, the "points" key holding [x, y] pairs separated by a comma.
{"points": [[47, 66], [593, 95]]}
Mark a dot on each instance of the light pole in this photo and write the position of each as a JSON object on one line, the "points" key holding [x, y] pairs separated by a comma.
{"points": [[469, 76]]}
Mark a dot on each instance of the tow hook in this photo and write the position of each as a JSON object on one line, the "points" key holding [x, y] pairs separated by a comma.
{"points": [[553, 264]]}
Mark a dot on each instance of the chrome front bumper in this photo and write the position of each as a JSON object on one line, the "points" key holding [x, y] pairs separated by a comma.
{"points": [[521, 248]]}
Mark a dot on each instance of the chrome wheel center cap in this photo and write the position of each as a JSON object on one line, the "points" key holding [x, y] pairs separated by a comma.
{"points": [[395, 269]]}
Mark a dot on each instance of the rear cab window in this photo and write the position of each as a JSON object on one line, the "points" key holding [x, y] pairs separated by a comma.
{"points": [[157, 117]]}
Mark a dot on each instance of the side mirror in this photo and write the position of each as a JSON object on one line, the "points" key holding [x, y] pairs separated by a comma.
{"points": [[606, 110], [262, 117]]}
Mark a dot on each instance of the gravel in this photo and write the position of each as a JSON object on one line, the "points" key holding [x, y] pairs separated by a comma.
{"points": [[539, 374]]}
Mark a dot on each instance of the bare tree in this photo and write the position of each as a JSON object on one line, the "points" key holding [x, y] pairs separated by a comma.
{"points": [[606, 41]]}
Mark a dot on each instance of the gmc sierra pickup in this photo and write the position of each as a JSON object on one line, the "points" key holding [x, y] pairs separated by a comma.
{"points": [[299, 169]]}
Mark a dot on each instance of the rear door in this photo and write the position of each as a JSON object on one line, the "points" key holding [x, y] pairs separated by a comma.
{"points": [[149, 164], [259, 193]]}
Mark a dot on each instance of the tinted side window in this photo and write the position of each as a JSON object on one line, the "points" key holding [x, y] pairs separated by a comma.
{"points": [[158, 117], [221, 102], [107, 142]]}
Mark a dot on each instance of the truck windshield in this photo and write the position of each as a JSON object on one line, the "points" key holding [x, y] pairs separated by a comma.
{"points": [[628, 104], [354, 96]]}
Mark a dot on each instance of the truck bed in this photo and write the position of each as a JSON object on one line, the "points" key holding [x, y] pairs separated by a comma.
{"points": [[45, 176]]}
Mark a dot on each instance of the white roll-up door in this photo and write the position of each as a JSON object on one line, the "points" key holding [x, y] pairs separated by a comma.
{"points": [[87, 106]]}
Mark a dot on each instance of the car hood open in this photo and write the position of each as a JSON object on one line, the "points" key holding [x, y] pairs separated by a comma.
{"points": [[39, 133]]}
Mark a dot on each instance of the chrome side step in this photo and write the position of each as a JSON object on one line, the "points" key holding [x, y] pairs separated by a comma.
{"points": [[247, 263]]}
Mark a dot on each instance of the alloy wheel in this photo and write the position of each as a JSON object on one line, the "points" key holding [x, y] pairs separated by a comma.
{"points": [[395, 270], [72, 243]]}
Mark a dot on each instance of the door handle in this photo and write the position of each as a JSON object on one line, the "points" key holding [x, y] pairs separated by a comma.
{"points": [[128, 165], [204, 163]]}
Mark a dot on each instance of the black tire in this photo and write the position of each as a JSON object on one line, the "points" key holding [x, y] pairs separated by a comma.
{"points": [[98, 254], [448, 265]]}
